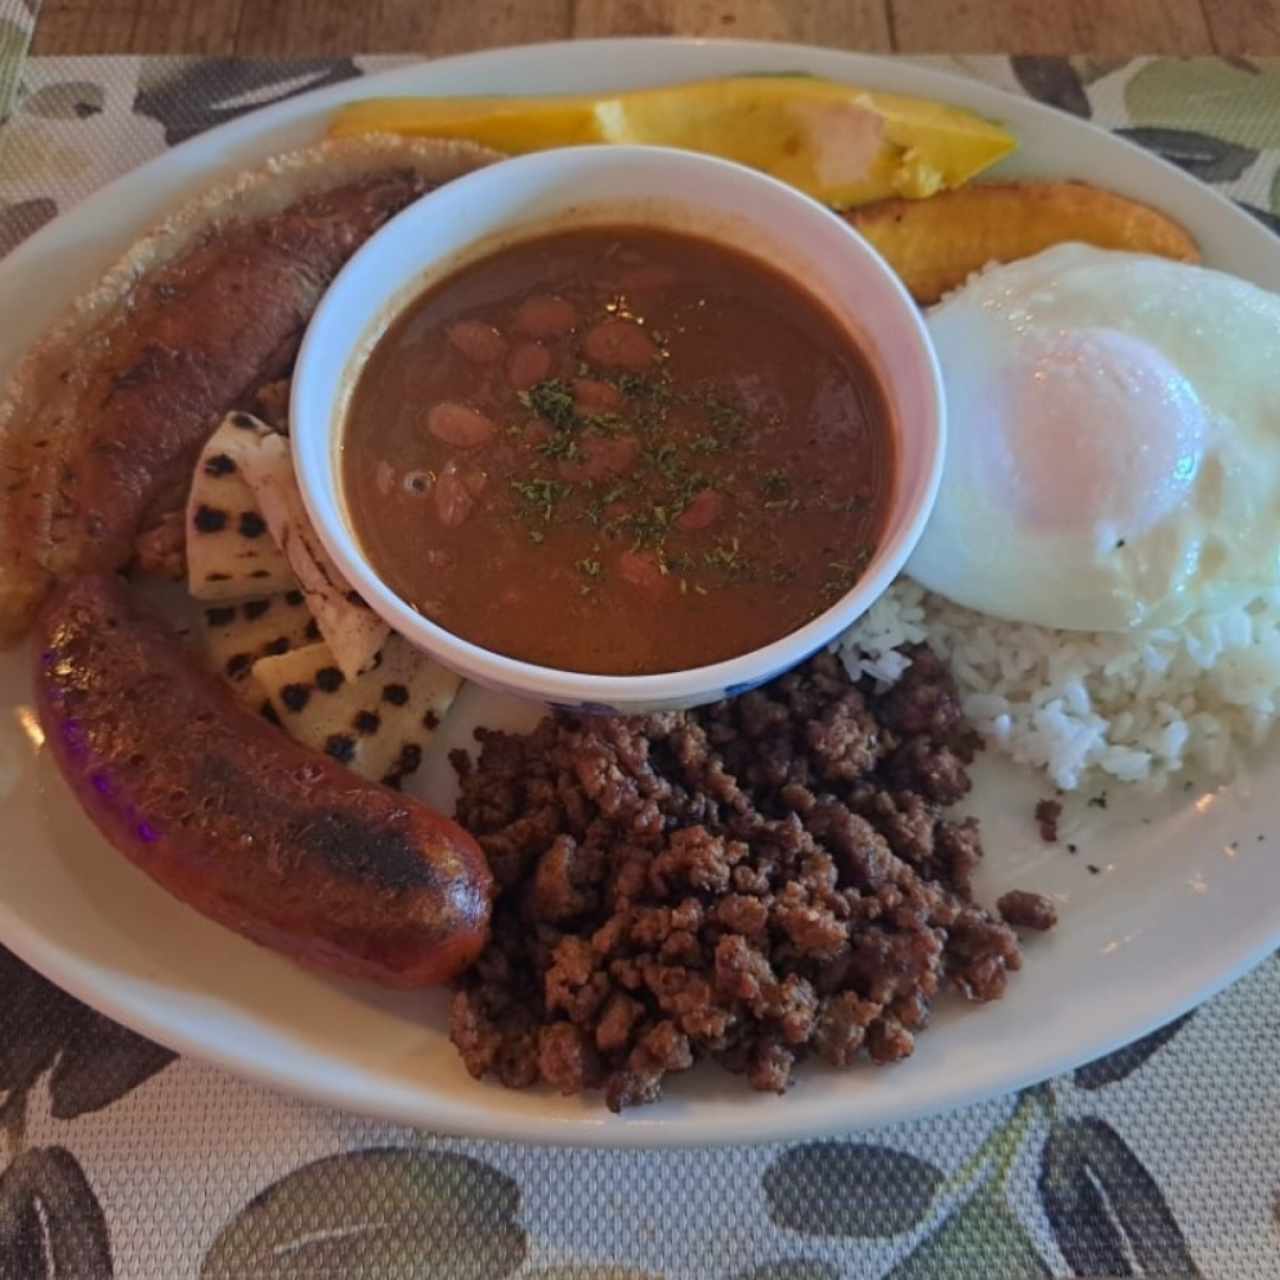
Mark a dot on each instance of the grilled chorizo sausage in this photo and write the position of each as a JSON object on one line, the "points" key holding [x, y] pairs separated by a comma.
{"points": [[265, 836], [106, 414]]}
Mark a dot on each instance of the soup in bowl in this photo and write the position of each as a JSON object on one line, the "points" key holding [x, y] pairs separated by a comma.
{"points": [[613, 450]]}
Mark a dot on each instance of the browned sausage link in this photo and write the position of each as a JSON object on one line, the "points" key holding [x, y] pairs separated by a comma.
{"points": [[202, 334], [224, 811]]}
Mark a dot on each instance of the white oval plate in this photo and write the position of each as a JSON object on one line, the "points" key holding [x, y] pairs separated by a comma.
{"points": [[1186, 892]]}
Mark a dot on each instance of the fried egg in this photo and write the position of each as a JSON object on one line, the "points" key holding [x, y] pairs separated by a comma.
{"points": [[1113, 455]]}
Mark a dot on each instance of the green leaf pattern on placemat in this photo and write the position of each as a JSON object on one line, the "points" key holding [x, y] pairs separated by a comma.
{"points": [[15, 35], [403, 1213], [66, 100], [51, 1224], [1239, 103], [189, 95], [983, 1229], [589, 1271], [882, 1192], [792, 1269], [1073, 1177], [1104, 1206]]}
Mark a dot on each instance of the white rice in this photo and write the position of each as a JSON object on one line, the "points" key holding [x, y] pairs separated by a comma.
{"points": [[1135, 708]]}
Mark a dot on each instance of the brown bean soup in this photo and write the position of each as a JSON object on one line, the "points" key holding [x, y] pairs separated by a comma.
{"points": [[618, 450]]}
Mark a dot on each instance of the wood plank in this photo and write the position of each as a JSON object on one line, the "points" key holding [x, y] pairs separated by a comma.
{"points": [[1244, 26], [845, 24], [297, 27], [455, 26], [301, 28], [137, 26], [1036, 26]]}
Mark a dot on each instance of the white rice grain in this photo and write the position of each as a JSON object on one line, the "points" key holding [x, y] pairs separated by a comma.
{"points": [[1133, 708]]}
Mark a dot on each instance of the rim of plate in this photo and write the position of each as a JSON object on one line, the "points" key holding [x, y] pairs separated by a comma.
{"points": [[204, 158]]}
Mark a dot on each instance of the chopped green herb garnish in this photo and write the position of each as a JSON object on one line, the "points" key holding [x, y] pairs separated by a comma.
{"points": [[562, 446], [655, 388], [706, 445], [605, 424], [727, 419], [775, 484], [726, 556], [540, 496], [634, 385], [552, 399], [648, 528], [687, 487], [664, 458]]}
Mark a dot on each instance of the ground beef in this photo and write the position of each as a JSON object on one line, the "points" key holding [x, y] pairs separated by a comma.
{"points": [[1027, 910], [1048, 815], [924, 700], [933, 769], [764, 880]]}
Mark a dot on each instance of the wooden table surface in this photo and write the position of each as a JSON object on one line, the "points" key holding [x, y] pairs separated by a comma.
{"points": [[281, 28]]}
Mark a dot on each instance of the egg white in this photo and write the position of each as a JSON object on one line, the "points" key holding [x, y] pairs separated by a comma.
{"points": [[1113, 456]]}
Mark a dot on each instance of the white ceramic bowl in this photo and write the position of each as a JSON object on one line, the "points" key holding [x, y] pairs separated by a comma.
{"points": [[476, 214]]}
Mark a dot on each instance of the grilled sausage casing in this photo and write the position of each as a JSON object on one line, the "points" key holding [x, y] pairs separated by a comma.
{"points": [[104, 417], [275, 841]]}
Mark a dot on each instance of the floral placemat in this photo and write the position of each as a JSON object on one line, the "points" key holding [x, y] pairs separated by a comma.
{"points": [[17, 21], [119, 1160]]}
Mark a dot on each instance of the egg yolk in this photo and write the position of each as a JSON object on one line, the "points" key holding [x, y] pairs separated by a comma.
{"points": [[1099, 432]]}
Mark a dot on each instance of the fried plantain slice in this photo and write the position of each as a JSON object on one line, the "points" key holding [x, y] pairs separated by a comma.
{"points": [[936, 244]]}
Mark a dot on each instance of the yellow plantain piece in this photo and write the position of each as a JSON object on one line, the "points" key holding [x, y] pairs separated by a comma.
{"points": [[843, 145], [935, 245]]}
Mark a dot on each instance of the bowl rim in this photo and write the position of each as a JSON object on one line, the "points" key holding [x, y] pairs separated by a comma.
{"points": [[574, 689]]}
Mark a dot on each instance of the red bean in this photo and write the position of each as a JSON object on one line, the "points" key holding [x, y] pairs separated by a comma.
{"points": [[479, 342], [453, 499], [590, 396], [641, 569], [545, 316], [704, 509], [459, 425], [602, 457], [620, 344], [530, 362]]}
